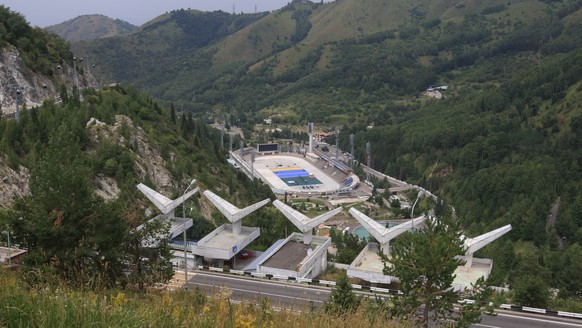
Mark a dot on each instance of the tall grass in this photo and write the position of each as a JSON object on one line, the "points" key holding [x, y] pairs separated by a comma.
{"points": [[56, 305]]}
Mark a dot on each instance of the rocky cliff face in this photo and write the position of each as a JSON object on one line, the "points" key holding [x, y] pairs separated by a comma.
{"points": [[147, 161], [14, 183], [146, 158], [34, 88]]}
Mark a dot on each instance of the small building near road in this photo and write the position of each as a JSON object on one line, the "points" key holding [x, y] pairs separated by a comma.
{"points": [[294, 258], [11, 255]]}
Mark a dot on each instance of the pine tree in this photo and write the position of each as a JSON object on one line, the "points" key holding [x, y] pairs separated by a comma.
{"points": [[343, 298], [66, 228], [172, 113], [146, 253], [426, 269]]}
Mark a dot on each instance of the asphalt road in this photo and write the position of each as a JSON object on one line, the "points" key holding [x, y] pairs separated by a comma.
{"points": [[296, 296], [508, 319], [280, 294]]}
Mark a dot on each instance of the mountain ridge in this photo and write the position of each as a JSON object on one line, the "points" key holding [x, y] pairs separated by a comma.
{"points": [[90, 27]]}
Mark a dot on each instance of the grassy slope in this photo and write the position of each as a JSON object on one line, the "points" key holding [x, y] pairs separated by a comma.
{"points": [[257, 40], [349, 19], [88, 27], [55, 305]]}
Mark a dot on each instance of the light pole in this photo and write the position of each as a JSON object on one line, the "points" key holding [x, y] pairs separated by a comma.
{"points": [[9, 255], [420, 194], [185, 242]]}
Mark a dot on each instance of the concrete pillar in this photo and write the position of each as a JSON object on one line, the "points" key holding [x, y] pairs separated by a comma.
{"points": [[236, 227], [386, 248], [307, 237], [469, 259]]}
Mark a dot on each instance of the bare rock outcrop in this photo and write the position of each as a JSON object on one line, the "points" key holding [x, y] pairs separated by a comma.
{"points": [[34, 88], [14, 183], [147, 159]]}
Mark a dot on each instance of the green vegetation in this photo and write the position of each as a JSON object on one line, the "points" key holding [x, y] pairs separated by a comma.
{"points": [[343, 299], [55, 305], [348, 246], [90, 27], [39, 49], [502, 146], [72, 233], [425, 266]]}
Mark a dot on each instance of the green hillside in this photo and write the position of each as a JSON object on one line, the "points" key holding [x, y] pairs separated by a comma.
{"points": [[40, 49], [80, 156], [502, 146], [162, 50], [90, 27]]}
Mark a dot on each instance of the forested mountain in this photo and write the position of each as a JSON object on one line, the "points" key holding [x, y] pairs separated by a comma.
{"points": [[502, 146], [90, 27], [79, 158], [39, 49], [171, 45]]}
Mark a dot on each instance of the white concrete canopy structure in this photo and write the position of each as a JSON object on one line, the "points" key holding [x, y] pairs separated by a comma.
{"points": [[382, 234], [231, 212], [476, 243], [304, 223], [163, 203], [178, 225]]}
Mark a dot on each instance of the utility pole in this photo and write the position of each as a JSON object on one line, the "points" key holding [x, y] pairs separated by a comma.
{"points": [[253, 166], [337, 132], [310, 133], [222, 137], [229, 142], [352, 145], [369, 155]]}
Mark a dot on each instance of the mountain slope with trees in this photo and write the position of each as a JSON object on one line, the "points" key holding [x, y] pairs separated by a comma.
{"points": [[501, 147], [83, 155], [90, 27]]}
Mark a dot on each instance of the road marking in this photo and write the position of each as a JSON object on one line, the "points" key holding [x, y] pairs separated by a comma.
{"points": [[259, 293], [541, 320], [486, 326], [263, 281]]}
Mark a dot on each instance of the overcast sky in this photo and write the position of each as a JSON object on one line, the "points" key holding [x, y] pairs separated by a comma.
{"points": [[49, 12]]}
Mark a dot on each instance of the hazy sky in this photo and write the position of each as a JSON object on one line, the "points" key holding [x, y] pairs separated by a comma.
{"points": [[49, 12]]}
